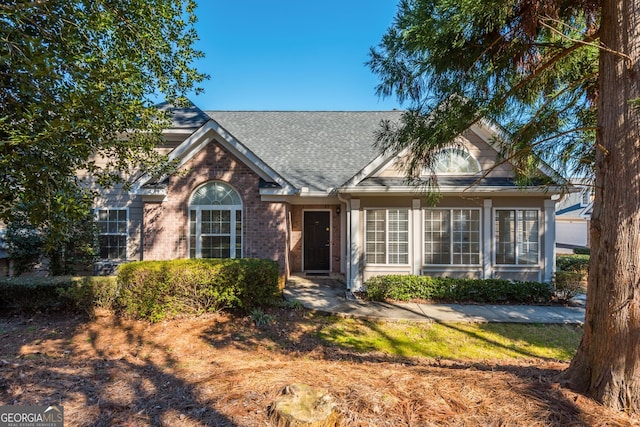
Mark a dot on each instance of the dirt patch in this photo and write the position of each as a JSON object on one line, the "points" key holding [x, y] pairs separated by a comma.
{"points": [[220, 370]]}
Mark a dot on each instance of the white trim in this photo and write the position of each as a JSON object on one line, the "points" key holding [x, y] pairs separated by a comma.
{"points": [[233, 209], [417, 243], [201, 138], [549, 239], [444, 190], [330, 240], [372, 167], [356, 253], [487, 239]]}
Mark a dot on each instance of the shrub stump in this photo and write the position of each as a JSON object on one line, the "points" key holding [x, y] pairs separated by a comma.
{"points": [[302, 405]]}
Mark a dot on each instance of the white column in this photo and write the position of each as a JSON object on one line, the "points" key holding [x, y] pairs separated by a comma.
{"points": [[487, 239], [355, 247], [549, 240], [414, 236]]}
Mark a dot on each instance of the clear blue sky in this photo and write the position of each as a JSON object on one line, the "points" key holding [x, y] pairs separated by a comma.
{"points": [[291, 54]]}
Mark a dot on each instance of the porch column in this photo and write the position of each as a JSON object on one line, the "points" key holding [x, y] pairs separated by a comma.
{"points": [[487, 239], [355, 252], [549, 239], [415, 237]]}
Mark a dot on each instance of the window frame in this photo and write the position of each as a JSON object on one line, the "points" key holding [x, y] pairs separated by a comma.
{"points": [[234, 233], [124, 234], [387, 242], [516, 242], [451, 239], [459, 151]]}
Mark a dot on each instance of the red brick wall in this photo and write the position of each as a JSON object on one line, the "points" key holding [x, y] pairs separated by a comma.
{"points": [[166, 227]]}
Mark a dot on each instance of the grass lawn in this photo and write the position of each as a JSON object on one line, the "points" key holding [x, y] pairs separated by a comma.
{"points": [[477, 341]]}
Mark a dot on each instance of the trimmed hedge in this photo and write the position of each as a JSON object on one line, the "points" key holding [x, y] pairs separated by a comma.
{"points": [[445, 289], [156, 290], [573, 263], [582, 251], [61, 293]]}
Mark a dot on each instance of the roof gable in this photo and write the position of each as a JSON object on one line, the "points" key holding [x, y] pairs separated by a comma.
{"points": [[480, 139], [316, 150]]}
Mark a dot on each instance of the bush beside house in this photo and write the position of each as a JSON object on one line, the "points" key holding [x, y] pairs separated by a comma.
{"points": [[571, 275], [445, 289], [152, 290], [156, 290]]}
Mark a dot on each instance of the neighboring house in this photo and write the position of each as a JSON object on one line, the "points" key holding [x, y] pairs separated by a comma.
{"points": [[310, 191], [573, 216]]}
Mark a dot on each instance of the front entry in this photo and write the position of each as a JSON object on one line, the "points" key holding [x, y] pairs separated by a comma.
{"points": [[317, 241]]}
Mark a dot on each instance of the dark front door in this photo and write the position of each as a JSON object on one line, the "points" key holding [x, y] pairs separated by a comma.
{"points": [[317, 241]]}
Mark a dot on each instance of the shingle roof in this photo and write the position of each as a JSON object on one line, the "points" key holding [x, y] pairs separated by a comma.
{"points": [[185, 117], [314, 149]]}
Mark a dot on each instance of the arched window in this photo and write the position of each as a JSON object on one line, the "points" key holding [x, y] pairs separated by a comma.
{"points": [[215, 222], [455, 161]]}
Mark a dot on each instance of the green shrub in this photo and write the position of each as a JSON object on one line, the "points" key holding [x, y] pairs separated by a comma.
{"points": [[88, 293], [156, 290], [444, 289], [573, 263], [568, 284], [582, 251], [57, 293]]}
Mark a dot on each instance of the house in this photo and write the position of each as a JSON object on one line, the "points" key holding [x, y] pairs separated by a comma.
{"points": [[573, 215], [309, 190]]}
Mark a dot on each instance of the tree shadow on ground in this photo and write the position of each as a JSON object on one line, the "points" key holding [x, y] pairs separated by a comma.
{"points": [[291, 332], [52, 360]]}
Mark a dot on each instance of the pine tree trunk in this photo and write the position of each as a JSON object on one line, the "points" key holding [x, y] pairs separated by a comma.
{"points": [[607, 364]]}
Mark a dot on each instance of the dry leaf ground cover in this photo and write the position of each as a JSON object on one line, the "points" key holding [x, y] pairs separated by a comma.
{"points": [[221, 370]]}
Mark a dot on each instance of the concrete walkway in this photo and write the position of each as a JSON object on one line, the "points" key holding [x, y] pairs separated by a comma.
{"points": [[328, 295]]}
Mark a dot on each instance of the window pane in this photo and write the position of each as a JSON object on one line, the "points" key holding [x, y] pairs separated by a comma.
{"points": [[215, 194], [528, 237], [375, 236], [216, 247], [437, 236], [505, 237], [112, 228], [220, 232], [398, 239], [466, 231]]}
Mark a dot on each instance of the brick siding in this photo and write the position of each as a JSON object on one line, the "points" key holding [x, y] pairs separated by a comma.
{"points": [[166, 224]]}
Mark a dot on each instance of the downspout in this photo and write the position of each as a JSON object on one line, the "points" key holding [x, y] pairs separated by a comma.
{"points": [[347, 249]]}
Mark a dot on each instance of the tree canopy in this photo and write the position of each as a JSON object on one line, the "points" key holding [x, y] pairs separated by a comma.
{"points": [[75, 78], [529, 66], [78, 82], [562, 77]]}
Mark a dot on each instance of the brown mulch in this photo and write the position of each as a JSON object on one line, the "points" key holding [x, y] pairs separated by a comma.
{"points": [[220, 370]]}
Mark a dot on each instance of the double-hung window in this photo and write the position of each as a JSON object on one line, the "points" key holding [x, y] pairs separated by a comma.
{"points": [[387, 236], [215, 222], [517, 236], [451, 236], [112, 229]]}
